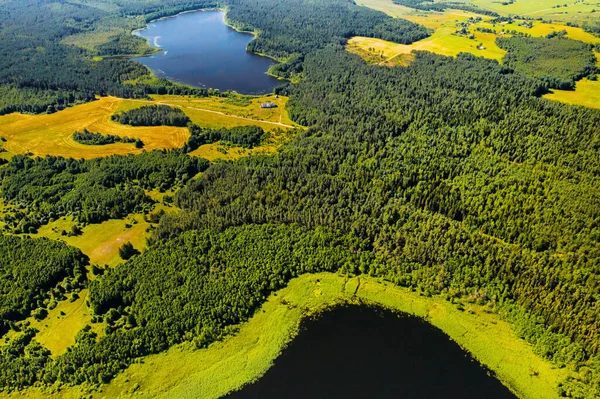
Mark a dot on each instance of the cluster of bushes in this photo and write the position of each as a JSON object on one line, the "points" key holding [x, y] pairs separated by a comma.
{"points": [[89, 138]]}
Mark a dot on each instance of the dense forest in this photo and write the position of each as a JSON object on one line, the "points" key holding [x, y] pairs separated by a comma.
{"points": [[92, 191], [556, 60], [450, 176], [30, 271], [242, 136], [153, 115]]}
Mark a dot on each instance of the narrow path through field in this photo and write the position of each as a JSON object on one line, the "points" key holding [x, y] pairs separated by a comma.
{"points": [[225, 114], [234, 116]]}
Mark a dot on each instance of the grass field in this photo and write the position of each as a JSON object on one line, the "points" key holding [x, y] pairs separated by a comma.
{"points": [[58, 330], [575, 11], [183, 372], [101, 242], [445, 41], [586, 93], [52, 134]]}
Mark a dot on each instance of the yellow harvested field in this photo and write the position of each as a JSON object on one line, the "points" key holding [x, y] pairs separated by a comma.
{"points": [[586, 93], [436, 20], [441, 42], [554, 10], [51, 134]]}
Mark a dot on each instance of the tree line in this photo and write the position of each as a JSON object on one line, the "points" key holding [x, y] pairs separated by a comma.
{"points": [[243, 136], [90, 138], [152, 115], [441, 6]]}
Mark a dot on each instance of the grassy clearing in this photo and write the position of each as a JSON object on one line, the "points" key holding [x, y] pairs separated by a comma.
{"points": [[58, 330], [586, 93], [52, 134], [219, 151], [92, 40], [42, 135], [101, 242], [183, 372], [225, 152]]}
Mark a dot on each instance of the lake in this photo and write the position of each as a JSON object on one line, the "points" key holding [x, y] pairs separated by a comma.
{"points": [[361, 352], [198, 49]]}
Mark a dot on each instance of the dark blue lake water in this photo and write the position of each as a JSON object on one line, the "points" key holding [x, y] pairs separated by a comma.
{"points": [[362, 353], [200, 50]]}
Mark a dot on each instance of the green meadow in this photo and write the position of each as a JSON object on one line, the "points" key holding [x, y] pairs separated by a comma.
{"points": [[186, 372]]}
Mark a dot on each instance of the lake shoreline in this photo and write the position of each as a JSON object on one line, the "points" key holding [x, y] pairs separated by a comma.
{"points": [[244, 357], [267, 79], [184, 371]]}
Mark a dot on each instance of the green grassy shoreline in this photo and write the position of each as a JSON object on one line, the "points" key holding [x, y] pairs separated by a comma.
{"points": [[183, 372]]}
